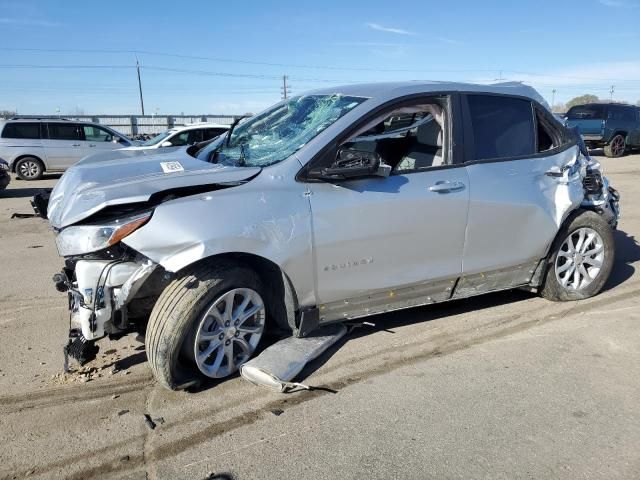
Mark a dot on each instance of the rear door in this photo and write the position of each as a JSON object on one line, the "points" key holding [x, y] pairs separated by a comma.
{"points": [[64, 144], [512, 148]]}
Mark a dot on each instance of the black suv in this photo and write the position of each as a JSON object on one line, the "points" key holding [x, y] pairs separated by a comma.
{"points": [[615, 127]]}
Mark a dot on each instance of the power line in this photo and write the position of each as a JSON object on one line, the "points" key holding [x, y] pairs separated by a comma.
{"points": [[307, 66]]}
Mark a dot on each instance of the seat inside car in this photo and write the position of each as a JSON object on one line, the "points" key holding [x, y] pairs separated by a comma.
{"points": [[425, 149]]}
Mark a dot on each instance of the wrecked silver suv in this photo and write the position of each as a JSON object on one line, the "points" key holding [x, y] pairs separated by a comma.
{"points": [[330, 206]]}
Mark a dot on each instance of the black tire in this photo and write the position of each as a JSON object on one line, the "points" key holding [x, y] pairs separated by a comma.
{"points": [[616, 147], [552, 288], [29, 168], [175, 317]]}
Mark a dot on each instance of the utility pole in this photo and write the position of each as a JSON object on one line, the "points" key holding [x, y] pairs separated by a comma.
{"points": [[553, 98], [611, 90], [286, 90], [139, 85]]}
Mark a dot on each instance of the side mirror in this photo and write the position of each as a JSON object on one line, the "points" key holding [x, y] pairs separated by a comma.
{"points": [[351, 163], [166, 144]]}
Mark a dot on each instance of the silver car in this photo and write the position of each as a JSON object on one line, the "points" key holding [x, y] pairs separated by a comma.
{"points": [[34, 146], [328, 207]]}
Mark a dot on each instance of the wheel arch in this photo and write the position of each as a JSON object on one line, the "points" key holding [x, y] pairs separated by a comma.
{"points": [[279, 289], [27, 155], [618, 132]]}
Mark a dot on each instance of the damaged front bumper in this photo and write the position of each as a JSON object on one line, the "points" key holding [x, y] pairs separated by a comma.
{"points": [[99, 293]]}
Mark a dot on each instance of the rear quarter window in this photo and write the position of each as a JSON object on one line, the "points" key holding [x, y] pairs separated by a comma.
{"points": [[501, 127], [24, 130]]}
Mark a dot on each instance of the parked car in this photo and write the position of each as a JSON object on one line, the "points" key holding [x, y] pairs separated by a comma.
{"points": [[5, 178], [181, 136], [614, 127], [34, 146], [327, 207]]}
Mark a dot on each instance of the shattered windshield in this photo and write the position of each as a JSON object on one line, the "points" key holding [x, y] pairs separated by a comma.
{"points": [[279, 132]]}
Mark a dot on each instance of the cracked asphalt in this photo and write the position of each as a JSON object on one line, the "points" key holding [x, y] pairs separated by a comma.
{"points": [[503, 386]]}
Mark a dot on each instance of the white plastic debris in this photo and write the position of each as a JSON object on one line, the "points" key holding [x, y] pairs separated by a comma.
{"points": [[278, 364]]}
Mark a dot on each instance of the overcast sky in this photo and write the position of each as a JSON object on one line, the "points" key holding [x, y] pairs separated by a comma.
{"points": [[79, 55]]}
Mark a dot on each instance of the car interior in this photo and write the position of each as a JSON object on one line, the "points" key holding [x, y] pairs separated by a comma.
{"points": [[407, 139]]}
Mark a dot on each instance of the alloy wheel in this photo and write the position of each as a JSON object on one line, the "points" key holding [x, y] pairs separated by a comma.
{"points": [[579, 259], [29, 169], [229, 332], [617, 145]]}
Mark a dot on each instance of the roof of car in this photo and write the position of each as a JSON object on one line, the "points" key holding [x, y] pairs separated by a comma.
{"points": [[393, 90]]}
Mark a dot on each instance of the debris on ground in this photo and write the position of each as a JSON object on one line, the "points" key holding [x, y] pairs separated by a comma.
{"points": [[123, 412], [150, 423], [277, 412]]}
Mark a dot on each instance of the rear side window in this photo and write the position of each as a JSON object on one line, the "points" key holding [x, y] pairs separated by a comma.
{"points": [[621, 113], [64, 131], [501, 127], [21, 130], [586, 112]]}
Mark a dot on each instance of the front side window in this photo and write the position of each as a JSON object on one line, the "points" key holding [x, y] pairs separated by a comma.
{"points": [[25, 130], [96, 134], [409, 138], [282, 130], [501, 127], [64, 131]]}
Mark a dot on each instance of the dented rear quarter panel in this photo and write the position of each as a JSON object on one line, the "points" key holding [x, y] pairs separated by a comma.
{"points": [[268, 216]]}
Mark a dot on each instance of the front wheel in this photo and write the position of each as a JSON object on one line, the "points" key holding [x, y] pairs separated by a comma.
{"points": [[206, 323], [581, 258], [616, 146], [29, 168]]}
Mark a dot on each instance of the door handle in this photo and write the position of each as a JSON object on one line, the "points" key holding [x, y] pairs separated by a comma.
{"points": [[446, 187], [75, 144], [92, 144]]}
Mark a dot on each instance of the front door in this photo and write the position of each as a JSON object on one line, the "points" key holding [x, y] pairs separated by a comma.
{"points": [[97, 139], [387, 243]]}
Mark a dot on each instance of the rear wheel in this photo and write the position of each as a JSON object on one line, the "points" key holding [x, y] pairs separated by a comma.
{"points": [[206, 323], [29, 168], [581, 259], [616, 146]]}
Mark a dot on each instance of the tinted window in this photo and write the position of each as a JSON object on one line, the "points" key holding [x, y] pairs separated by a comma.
{"points": [[63, 131], [621, 113], [21, 130], [502, 126], [586, 112], [96, 134], [210, 133], [180, 139]]}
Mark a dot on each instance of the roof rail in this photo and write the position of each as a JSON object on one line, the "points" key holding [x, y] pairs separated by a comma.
{"points": [[21, 117]]}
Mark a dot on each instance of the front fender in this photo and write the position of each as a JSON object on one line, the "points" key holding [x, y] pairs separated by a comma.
{"points": [[268, 217]]}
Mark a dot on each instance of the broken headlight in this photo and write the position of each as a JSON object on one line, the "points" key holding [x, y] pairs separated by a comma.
{"points": [[81, 239]]}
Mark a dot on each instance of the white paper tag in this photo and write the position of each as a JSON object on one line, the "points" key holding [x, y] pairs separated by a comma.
{"points": [[171, 167]]}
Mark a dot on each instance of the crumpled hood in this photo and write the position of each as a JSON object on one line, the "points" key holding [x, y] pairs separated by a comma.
{"points": [[88, 187]]}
